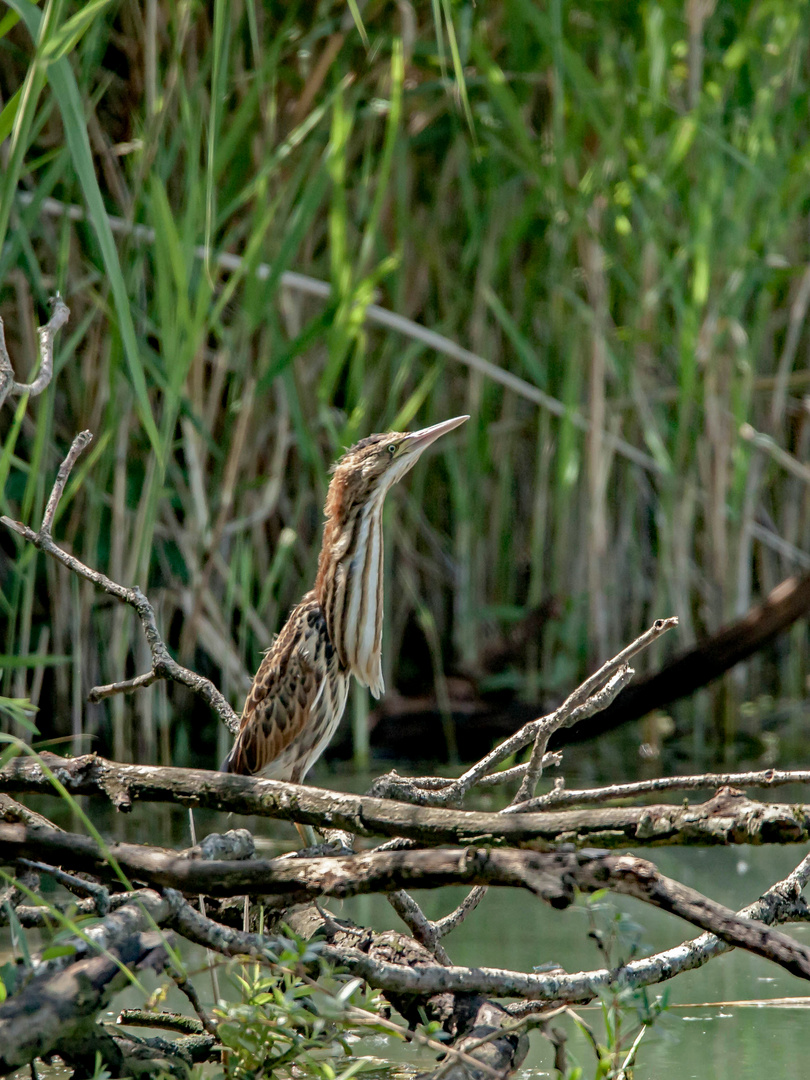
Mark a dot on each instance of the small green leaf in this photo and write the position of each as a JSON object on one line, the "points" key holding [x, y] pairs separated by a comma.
{"points": [[65, 39], [20, 710], [684, 137], [736, 54], [58, 950], [8, 22], [18, 940], [8, 114], [8, 979]]}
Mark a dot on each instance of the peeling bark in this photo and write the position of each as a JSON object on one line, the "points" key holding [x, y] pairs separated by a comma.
{"points": [[728, 818], [56, 1012]]}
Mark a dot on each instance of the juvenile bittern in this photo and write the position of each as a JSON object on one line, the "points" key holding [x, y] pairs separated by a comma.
{"points": [[299, 692]]}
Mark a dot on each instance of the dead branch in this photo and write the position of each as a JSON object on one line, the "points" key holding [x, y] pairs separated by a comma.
{"points": [[560, 796], [699, 666], [13, 811], [592, 696], [552, 876], [55, 1013], [443, 927], [78, 886], [186, 1025], [163, 665], [423, 930], [781, 903], [436, 790], [408, 974], [403, 968], [769, 446], [9, 387], [728, 818]]}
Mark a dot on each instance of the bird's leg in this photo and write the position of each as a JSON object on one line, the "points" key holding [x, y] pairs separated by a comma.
{"points": [[209, 956], [306, 832]]}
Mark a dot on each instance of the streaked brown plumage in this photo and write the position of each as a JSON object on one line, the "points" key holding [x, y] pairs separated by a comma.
{"points": [[299, 692]]}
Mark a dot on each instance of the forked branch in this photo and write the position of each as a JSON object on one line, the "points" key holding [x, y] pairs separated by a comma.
{"points": [[727, 818], [593, 695], [9, 387], [551, 876], [163, 664]]}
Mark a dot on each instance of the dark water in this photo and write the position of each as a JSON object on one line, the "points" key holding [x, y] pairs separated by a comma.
{"points": [[705, 1031]]}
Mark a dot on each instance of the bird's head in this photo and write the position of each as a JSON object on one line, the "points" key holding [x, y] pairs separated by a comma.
{"points": [[371, 467], [349, 581]]}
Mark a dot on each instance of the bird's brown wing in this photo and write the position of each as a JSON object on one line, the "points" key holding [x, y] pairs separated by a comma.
{"points": [[288, 696], [276, 712]]}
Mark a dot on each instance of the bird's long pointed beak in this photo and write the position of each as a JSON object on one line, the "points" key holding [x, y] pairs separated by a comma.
{"points": [[419, 440]]}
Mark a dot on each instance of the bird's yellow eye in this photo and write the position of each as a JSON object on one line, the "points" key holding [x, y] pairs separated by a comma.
{"points": [[392, 449]]}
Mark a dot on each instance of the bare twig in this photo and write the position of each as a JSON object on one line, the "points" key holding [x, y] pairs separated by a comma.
{"points": [[425, 931], [8, 385], [80, 886], [466, 907], [566, 716], [595, 694], [186, 987], [770, 447], [441, 790], [163, 665], [582, 703], [83, 439], [562, 796], [125, 686], [35, 916], [506, 776]]}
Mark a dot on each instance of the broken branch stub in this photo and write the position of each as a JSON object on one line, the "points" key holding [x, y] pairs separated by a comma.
{"points": [[9, 387]]}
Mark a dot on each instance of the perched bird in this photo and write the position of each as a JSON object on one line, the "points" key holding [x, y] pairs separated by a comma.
{"points": [[299, 692]]}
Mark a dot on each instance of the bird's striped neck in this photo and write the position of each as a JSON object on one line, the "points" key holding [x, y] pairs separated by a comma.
{"points": [[349, 588]]}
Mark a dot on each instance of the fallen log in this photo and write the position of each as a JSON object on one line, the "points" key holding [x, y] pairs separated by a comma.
{"points": [[56, 1012], [466, 1018], [728, 818], [552, 876], [702, 664]]}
